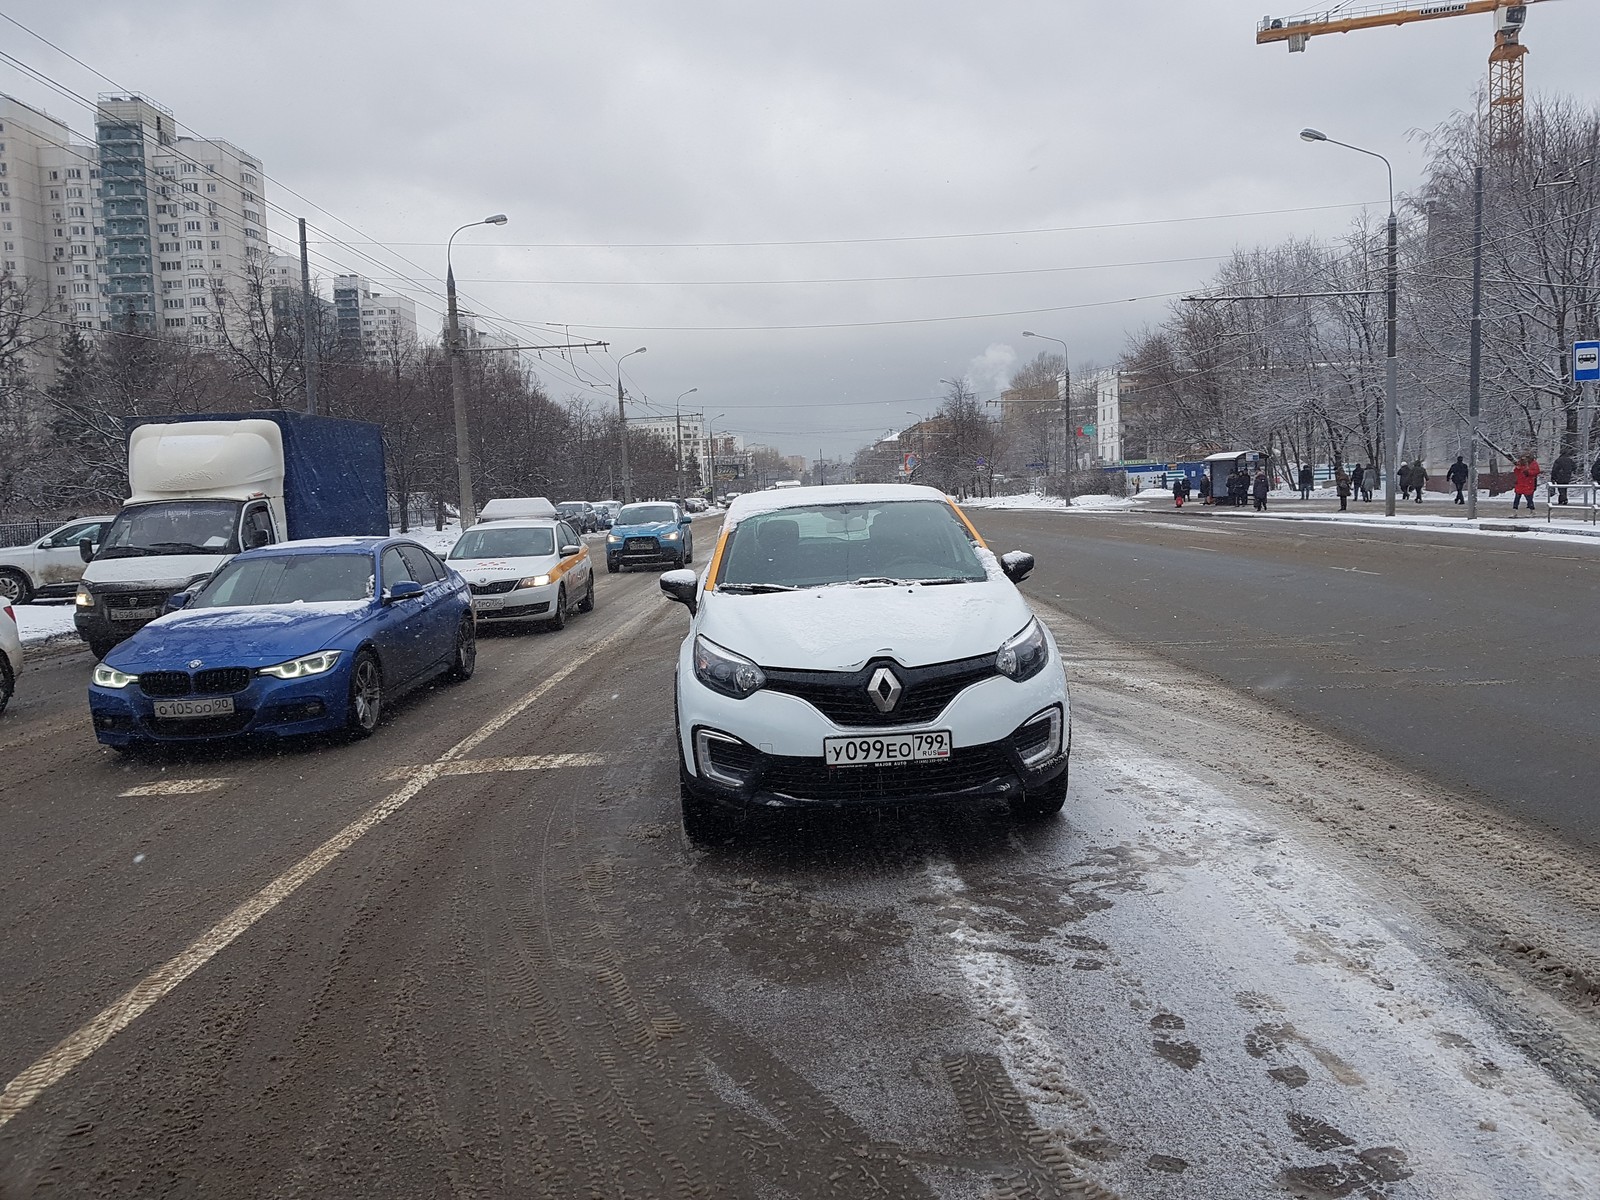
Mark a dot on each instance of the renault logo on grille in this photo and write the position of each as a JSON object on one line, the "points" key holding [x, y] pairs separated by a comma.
{"points": [[884, 688]]}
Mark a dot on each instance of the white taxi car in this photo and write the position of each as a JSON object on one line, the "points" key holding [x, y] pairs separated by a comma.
{"points": [[524, 563], [861, 645]]}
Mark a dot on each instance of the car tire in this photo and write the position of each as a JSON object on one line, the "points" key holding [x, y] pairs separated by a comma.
{"points": [[586, 605], [559, 620], [688, 554], [15, 587], [366, 695], [1043, 801], [465, 659], [8, 683], [100, 648], [611, 566]]}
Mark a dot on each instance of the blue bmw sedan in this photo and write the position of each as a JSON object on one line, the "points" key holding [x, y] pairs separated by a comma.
{"points": [[301, 637]]}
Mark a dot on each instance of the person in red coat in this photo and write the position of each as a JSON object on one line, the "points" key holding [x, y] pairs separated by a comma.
{"points": [[1524, 478]]}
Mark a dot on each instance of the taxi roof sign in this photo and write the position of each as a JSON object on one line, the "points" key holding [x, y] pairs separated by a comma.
{"points": [[517, 508]]}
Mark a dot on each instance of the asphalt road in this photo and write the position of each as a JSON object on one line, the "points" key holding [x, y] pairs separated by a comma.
{"points": [[1470, 658], [473, 956]]}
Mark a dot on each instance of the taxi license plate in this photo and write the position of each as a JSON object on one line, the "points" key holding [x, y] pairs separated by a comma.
{"points": [[484, 603], [135, 614], [218, 706], [881, 750]]}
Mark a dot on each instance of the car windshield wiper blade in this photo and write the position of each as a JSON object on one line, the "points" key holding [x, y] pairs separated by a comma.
{"points": [[887, 580], [751, 589]]}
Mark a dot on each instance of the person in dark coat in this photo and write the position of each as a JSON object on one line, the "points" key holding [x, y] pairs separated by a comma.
{"points": [[1308, 478], [1457, 475], [1561, 473], [1419, 478], [1341, 483], [1595, 473], [1404, 475], [1259, 488], [1205, 488], [1241, 487], [1356, 477]]}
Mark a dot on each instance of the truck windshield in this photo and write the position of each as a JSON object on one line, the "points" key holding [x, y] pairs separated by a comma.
{"points": [[174, 527], [286, 578]]}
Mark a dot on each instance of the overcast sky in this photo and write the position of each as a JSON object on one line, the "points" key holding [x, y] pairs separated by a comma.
{"points": [[810, 212]]}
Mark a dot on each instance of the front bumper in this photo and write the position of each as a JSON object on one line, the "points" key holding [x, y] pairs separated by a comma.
{"points": [[658, 551], [520, 604], [98, 624], [266, 707]]}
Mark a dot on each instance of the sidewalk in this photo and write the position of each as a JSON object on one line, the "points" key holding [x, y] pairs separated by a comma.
{"points": [[1494, 516]]}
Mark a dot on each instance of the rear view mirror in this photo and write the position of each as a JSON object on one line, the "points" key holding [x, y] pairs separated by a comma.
{"points": [[1016, 565], [86, 550], [681, 586], [406, 589], [178, 600], [566, 550]]}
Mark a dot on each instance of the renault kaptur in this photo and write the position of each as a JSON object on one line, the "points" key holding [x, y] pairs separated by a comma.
{"points": [[524, 563], [861, 645]]}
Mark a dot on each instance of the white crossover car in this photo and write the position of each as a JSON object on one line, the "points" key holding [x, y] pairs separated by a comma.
{"points": [[858, 645], [50, 565], [10, 655], [525, 567]]}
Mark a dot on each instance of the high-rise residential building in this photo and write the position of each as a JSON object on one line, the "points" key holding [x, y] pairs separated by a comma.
{"points": [[690, 428], [371, 326]]}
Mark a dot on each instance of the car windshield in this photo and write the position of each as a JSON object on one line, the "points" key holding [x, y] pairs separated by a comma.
{"points": [[286, 578], [511, 542], [174, 527], [913, 541], [567, 510], [647, 514]]}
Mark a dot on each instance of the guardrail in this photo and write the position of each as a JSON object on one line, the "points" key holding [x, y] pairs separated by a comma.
{"points": [[1582, 496]]}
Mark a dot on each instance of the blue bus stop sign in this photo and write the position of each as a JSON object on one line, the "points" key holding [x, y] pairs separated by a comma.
{"points": [[1586, 362]]}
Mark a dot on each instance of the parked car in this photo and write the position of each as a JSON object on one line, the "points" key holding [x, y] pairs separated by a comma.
{"points": [[580, 515], [604, 513], [296, 638], [653, 533], [525, 569], [861, 645], [10, 655], [694, 504], [50, 565]]}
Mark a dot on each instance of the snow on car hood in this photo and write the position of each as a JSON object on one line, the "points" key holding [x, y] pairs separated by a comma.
{"points": [[493, 570], [842, 628], [153, 571], [246, 636]]}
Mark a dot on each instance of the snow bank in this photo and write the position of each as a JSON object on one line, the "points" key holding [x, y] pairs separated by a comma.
{"points": [[42, 622], [1034, 502]]}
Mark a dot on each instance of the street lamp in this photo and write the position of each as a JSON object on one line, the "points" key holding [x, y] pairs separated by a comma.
{"points": [[458, 386], [622, 415], [1066, 411], [711, 449], [1391, 384], [678, 425]]}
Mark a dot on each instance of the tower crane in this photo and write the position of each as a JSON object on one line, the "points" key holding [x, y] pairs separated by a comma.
{"points": [[1504, 124]]}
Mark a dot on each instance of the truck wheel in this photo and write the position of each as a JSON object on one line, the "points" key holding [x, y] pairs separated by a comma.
{"points": [[366, 695], [466, 655], [1042, 802], [559, 621], [100, 648], [587, 603], [14, 587]]}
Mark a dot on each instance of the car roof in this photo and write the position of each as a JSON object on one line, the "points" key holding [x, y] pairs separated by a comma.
{"points": [[752, 503], [341, 545], [516, 523]]}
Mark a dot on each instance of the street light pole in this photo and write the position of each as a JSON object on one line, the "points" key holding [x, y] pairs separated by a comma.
{"points": [[1391, 378], [677, 411], [468, 512], [622, 416], [1066, 408]]}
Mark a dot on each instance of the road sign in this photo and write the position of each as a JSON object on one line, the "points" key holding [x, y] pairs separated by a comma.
{"points": [[910, 463], [1036, 466], [1586, 362], [982, 461]]}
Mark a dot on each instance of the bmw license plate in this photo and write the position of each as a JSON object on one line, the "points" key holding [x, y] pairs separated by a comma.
{"points": [[134, 614], [882, 750], [217, 706]]}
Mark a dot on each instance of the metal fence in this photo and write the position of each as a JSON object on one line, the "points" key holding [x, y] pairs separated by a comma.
{"points": [[18, 533]]}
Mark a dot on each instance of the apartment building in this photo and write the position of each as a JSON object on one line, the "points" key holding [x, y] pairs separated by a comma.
{"points": [[371, 326], [690, 427]]}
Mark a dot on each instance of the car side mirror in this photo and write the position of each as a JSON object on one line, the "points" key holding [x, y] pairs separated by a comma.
{"points": [[682, 587], [1016, 565], [684, 520], [86, 550], [406, 589], [178, 600], [566, 550]]}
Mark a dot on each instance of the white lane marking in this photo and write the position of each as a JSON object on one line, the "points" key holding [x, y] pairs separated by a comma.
{"points": [[1353, 570], [524, 762], [177, 787], [1188, 528], [77, 1046]]}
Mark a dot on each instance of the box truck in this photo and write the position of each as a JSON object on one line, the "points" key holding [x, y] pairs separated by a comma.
{"points": [[203, 488]]}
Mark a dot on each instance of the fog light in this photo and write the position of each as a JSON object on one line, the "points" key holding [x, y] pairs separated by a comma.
{"points": [[1038, 739], [730, 774]]}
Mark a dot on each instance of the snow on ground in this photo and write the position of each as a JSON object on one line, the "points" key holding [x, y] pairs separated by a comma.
{"points": [[1030, 500], [41, 622]]}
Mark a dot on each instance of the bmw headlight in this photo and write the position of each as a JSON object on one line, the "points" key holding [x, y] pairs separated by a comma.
{"points": [[299, 668], [723, 671], [1025, 655], [84, 598], [110, 677], [533, 581]]}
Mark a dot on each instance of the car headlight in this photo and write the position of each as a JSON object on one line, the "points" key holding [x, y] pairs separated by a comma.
{"points": [[670, 537], [1025, 655], [110, 677], [299, 668], [84, 598], [533, 581], [723, 671], [613, 537]]}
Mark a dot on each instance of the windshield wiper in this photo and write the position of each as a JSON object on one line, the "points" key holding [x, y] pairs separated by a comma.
{"points": [[885, 580], [753, 589], [179, 548]]}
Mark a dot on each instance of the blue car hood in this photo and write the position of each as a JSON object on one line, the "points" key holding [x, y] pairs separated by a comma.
{"points": [[256, 636], [655, 529]]}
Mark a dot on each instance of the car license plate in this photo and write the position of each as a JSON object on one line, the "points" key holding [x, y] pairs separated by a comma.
{"points": [[218, 706], [483, 603], [135, 614], [891, 749]]}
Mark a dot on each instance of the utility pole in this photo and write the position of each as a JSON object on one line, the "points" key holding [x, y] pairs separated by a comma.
{"points": [[622, 417], [677, 419], [1474, 369], [308, 338]]}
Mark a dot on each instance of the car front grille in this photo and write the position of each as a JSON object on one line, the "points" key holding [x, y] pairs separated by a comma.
{"points": [[165, 684], [981, 770], [219, 681], [222, 681], [493, 589], [136, 599], [842, 696]]}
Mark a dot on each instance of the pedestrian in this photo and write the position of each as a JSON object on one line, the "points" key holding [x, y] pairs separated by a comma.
{"points": [[1180, 492], [1341, 484], [1595, 473], [1404, 474], [1261, 487], [1356, 477], [1163, 481], [1457, 475], [1241, 487], [1419, 478], [1367, 481], [1561, 473], [1205, 488], [1307, 479], [1524, 480]]}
